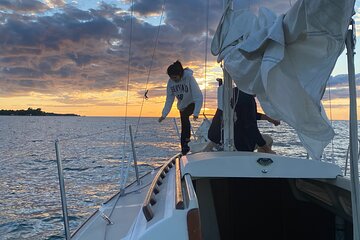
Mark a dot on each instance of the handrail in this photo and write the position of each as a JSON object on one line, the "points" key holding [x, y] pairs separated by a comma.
{"points": [[179, 198], [154, 189]]}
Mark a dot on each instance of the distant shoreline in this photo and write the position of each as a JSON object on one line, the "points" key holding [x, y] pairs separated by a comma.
{"points": [[33, 112]]}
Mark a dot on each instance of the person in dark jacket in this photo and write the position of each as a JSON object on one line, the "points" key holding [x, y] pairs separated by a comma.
{"points": [[246, 132], [215, 132], [247, 136]]}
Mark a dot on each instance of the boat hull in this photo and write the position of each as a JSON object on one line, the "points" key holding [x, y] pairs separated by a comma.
{"points": [[236, 195]]}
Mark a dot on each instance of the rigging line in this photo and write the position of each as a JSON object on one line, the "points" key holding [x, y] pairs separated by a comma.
{"points": [[206, 52], [150, 68], [123, 170], [128, 73]]}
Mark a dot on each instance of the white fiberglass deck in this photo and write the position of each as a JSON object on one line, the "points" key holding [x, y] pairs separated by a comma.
{"points": [[252, 164], [122, 215]]}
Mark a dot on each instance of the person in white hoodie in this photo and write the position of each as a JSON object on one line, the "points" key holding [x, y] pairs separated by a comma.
{"points": [[184, 87]]}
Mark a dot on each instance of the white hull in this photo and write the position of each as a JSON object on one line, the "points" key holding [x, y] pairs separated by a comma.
{"points": [[235, 195]]}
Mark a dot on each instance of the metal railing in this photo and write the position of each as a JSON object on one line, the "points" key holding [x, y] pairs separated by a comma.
{"points": [[62, 190], [62, 183]]}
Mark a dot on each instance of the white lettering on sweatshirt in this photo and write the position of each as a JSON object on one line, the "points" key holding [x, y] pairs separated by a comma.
{"points": [[186, 91]]}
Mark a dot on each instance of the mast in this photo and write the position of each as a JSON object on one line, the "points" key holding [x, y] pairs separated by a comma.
{"points": [[354, 148], [228, 113]]}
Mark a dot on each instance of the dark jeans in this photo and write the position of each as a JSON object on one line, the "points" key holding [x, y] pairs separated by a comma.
{"points": [[185, 125], [215, 133]]}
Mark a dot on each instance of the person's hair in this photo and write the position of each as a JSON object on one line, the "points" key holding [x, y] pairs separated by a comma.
{"points": [[175, 69]]}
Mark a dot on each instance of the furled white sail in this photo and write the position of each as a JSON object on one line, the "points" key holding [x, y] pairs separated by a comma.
{"points": [[286, 61]]}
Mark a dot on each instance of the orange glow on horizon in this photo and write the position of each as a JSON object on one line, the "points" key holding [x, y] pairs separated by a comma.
{"points": [[112, 103]]}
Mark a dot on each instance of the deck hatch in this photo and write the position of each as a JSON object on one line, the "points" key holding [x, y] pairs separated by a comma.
{"points": [[265, 161]]}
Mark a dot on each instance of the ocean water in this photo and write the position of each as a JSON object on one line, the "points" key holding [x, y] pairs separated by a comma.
{"points": [[91, 150]]}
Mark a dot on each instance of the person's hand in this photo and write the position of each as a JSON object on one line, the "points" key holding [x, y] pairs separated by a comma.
{"points": [[270, 120], [275, 122], [195, 118], [161, 119]]}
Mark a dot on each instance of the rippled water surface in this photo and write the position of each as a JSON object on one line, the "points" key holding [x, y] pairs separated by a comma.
{"points": [[91, 150]]}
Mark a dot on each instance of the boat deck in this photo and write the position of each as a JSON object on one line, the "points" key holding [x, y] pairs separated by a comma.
{"points": [[126, 207], [220, 187], [255, 165]]}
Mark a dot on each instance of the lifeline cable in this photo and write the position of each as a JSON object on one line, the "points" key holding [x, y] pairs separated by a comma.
{"points": [[150, 68], [127, 87], [128, 72]]}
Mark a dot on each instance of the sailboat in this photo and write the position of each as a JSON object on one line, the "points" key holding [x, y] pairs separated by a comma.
{"points": [[251, 195]]}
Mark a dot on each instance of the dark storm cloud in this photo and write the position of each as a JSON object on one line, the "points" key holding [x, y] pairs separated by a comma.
{"points": [[55, 47], [81, 50], [16, 51], [23, 5], [21, 71], [89, 50], [193, 22], [50, 31], [145, 7], [80, 59], [14, 60]]}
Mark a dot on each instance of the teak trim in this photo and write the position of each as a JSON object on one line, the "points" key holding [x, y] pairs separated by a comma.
{"points": [[179, 198]]}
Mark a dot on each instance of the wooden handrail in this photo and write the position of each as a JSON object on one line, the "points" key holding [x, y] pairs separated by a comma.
{"points": [[154, 189], [179, 198]]}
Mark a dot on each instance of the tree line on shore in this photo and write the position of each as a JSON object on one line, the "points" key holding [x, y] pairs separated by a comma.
{"points": [[32, 112]]}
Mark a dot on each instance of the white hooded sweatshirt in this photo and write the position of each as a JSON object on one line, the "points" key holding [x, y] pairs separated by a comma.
{"points": [[186, 90]]}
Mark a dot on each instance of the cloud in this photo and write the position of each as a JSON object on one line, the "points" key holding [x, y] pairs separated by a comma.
{"points": [[44, 31], [52, 47], [87, 49], [338, 87], [55, 3], [62, 49], [23, 5], [148, 8], [338, 80]]}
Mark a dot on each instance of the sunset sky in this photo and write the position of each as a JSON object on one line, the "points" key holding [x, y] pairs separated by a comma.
{"points": [[71, 56]]}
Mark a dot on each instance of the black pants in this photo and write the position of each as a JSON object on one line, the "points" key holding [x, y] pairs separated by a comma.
{"points": [[241, 142], [215, 133], [185, 125]]}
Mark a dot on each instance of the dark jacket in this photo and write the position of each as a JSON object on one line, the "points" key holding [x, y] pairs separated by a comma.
{"points": [[246, 132]]}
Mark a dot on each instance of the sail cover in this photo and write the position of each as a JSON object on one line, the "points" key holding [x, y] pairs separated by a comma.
{"points": [[286, 61]]}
